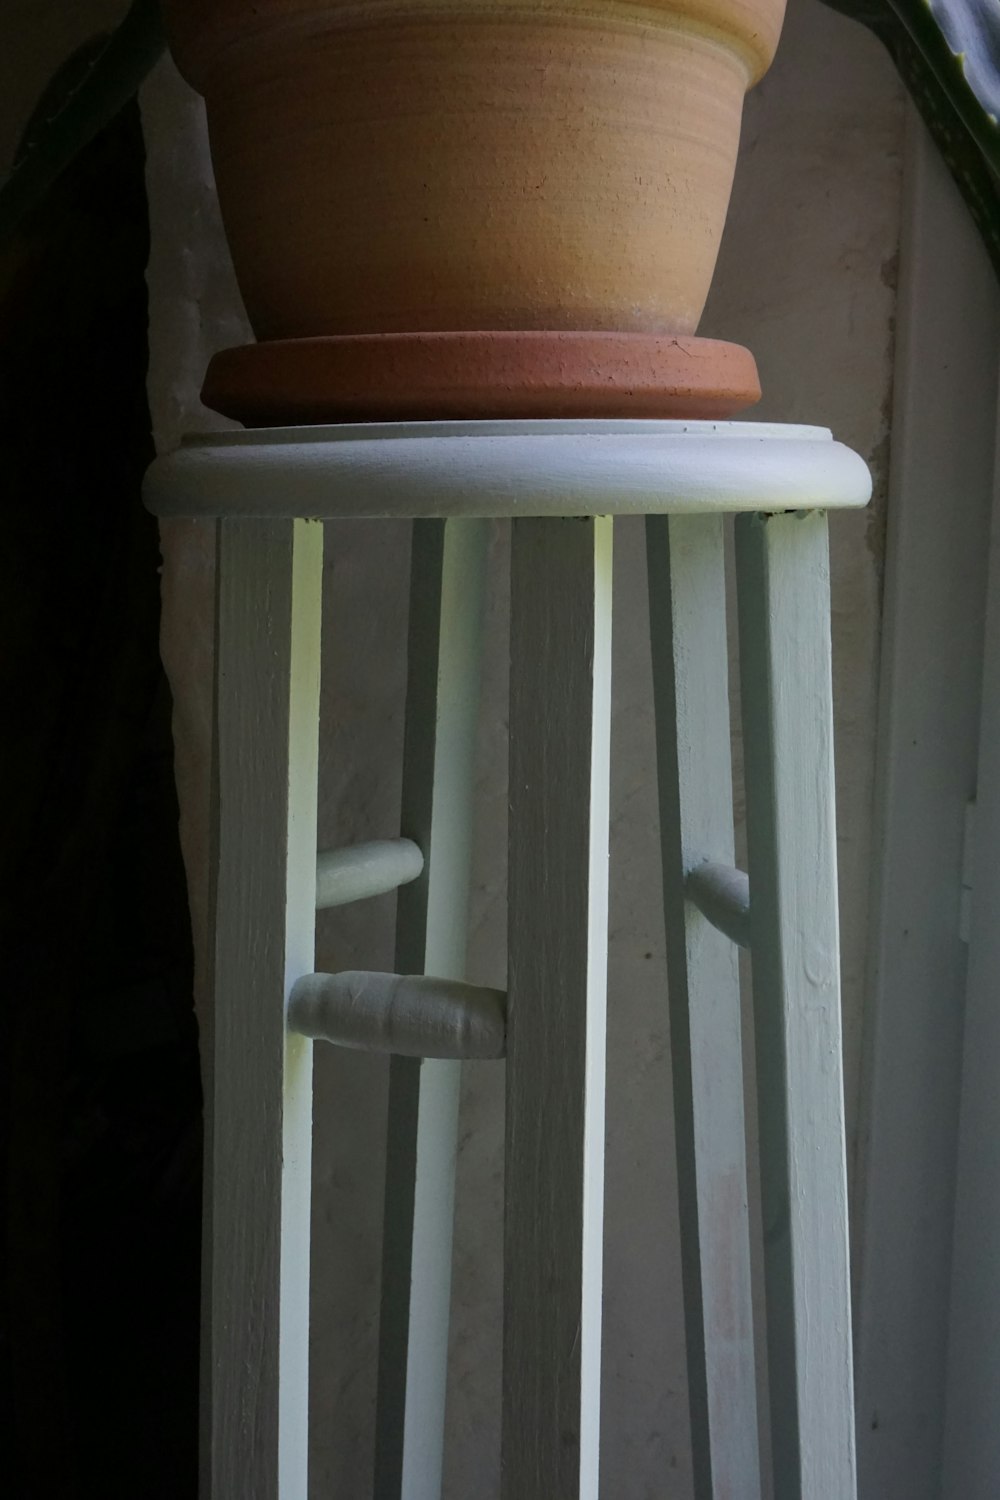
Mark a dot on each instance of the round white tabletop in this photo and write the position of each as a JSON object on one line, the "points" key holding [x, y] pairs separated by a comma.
{"points": [[529, 468]]}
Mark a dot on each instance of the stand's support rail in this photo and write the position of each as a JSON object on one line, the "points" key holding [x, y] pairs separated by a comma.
{"points": [[722, 895], [409, 1015], [363, 870], [687, 603]]}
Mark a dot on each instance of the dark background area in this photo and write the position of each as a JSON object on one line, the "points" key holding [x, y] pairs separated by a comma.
{"points": [[100, 1097]]}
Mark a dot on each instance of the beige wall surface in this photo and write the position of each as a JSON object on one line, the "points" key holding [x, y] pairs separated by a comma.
{"points": [[806, 278]]}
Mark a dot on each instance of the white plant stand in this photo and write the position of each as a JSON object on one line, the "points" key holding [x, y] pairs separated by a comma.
{"points": [[562, 483]]}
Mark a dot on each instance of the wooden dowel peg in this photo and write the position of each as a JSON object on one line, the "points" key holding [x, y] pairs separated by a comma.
{"points": [[412, 1015], [363, 870], [722, 895]]}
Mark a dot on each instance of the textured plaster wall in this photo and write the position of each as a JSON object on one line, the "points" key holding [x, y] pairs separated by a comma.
{"points": [[806, 278]]}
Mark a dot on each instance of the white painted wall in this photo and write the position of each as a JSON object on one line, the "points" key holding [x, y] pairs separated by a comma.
{"points": [[806, 278], [927, 1291]]}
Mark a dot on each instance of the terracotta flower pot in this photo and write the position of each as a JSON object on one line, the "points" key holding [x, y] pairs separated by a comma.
{"points": [[406, 166]]}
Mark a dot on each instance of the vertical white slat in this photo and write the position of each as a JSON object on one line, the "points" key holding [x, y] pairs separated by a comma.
{"points": [[447, 586], [557, 992], [940, 493], [971, 1464], [687, 612], [270, 586], [784, 615]]}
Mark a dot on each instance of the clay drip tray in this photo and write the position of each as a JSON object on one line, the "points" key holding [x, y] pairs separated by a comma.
{"points": [[403, 377]]}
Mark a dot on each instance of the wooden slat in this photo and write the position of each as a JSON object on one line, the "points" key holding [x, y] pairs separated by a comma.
{"points": [[447, 582], [784, 612], [260, 1140], [554, 1185], [687, 604]]}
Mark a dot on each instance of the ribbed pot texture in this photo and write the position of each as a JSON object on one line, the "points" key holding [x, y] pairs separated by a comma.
{"points": [[403, 166]]}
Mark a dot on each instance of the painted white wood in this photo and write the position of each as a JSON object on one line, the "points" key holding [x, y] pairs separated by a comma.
{"points": [[363, 870], [722, 895], [943, 430], [447, 585], [448, 561], [270, 581], [557, 943], [971, 1469], [410, 1014], [968, 872], [784, 613], [687, 605], [509, 469]]}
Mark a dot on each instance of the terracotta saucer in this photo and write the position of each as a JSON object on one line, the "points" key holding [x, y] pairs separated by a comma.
{"points": [[465, 376]]}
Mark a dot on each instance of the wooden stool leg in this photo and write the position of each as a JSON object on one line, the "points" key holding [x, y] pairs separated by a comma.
{"points": [[260, 1134], [447, 584], [687, 611], [557, 976], [784, 612]]}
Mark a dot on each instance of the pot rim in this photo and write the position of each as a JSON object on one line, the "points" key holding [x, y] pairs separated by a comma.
{"points": [[201, 33]]}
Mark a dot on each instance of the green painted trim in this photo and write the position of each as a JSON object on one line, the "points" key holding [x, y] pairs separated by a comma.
{"points": [[80, 102]]}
